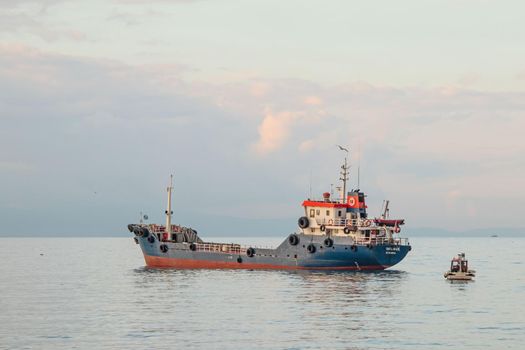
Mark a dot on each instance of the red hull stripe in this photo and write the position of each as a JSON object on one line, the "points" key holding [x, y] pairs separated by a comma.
{"points": [[159, 261]]}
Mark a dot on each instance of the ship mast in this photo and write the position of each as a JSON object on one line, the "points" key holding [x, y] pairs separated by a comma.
{"points": [[344, 178], [168, 210], [344, 174]]}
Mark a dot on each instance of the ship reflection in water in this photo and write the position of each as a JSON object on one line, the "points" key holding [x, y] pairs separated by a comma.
{"points": [[286, 306]]}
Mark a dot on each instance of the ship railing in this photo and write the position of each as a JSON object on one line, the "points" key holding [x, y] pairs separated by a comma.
{"points": [[344, 222], [359, 223], [162, 229], [381, 240], [227, 248]]}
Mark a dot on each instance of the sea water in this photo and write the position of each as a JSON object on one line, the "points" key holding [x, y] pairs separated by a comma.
{"points": [[95, 293]]}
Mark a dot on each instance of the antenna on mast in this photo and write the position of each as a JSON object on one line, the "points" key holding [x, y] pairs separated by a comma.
{"points": [[359, 167], [358, 170], [310, 183], [344, 174]]}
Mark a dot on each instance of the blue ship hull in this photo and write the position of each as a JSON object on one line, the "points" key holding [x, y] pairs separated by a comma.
{"points": [[310, 252]]}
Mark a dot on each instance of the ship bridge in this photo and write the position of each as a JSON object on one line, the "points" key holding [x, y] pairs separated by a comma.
{"points": [[333, 217]]}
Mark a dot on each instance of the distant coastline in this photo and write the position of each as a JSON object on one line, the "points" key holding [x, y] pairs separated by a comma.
{"points": [[407, 232]]}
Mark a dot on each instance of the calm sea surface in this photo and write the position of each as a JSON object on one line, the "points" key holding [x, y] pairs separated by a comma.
{"points": [[94, 293]]}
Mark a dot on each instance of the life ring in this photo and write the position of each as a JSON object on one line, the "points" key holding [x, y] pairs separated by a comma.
{"points": [[329, 242], [351, 201], [311, 248], [397, 229], [346, 230], [293, 239], [322, 228], [151, 239], [193, 247], [303, 222], [164, 248], [250, 252], [165, 236], [330, 222], [367, 223]]}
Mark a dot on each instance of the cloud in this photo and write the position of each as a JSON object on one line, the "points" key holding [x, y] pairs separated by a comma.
{"points": [[14, 4], [17, 21], [274, 131], [88, 123], [312, 100]]}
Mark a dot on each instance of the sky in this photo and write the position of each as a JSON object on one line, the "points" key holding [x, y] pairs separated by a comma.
{"points": [[245, 102]]}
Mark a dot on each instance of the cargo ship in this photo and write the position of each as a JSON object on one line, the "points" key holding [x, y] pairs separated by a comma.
{"points": [[332, 234]]}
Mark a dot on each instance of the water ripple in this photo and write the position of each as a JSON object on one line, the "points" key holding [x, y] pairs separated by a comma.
{"points": [[95, 293]]}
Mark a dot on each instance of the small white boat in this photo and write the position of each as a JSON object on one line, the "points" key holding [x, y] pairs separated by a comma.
{"points": [[459, 269]]}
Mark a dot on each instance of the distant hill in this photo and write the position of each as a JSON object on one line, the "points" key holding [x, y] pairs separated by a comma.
{"points": [[482, 232], [243, 227]]}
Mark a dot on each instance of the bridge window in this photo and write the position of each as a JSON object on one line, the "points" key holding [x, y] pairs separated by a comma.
{"points": [[312, 213], [328, 212], [339, 213], [318, 212]]}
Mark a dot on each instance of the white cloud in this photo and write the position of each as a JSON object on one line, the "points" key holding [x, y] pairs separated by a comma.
{"points": [[100, 121], [274, 131], [313, 100]]}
